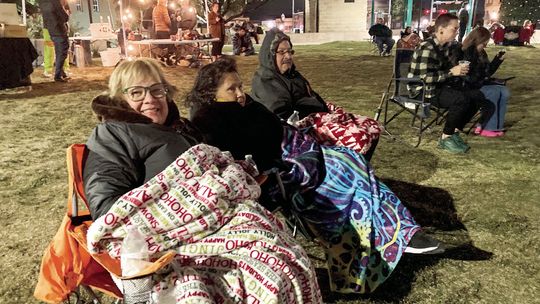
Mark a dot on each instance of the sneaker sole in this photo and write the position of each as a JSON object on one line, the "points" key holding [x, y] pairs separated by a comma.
{"points": [[452, 151], [428, 250]]}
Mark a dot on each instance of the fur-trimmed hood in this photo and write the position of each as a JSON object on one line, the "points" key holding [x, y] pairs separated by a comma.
{"points": [[108, 108]]}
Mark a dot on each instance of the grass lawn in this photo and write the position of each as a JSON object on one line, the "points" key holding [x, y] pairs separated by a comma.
{"points": [[484, 204]]}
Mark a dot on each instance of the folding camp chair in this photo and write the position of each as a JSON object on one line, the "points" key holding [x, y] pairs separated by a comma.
{"points": [[417, 107], [286, 206], [67, 264]]}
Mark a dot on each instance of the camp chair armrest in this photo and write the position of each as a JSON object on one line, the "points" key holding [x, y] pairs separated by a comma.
{"points": [[410, 80]]}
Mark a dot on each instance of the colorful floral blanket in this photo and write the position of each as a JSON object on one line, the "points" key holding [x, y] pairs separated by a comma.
{"points": [[339, 128], [229, 249], [362, 223]]}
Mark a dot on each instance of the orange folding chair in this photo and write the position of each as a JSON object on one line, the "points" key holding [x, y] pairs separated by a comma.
{"points": [[66, 264]]}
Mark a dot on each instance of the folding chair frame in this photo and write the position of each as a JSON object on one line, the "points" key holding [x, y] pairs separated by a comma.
{"points": [[76, 156], [417, 107]]}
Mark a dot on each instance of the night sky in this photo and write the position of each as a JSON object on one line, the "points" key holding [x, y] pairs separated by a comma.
{"points": [[274, 8]]}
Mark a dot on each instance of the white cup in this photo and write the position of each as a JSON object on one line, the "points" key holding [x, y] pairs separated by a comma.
{"points": [[464, 63]]}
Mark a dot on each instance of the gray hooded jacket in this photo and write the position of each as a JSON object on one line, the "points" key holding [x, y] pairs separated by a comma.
{"points": [[282, 93]]}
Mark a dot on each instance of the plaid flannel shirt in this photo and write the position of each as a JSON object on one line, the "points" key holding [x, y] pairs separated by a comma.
{"points": [[428, 66]]}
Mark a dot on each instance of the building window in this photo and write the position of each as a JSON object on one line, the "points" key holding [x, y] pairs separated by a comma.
{"points": [[349, 1], [78, 6], [95, 5]]}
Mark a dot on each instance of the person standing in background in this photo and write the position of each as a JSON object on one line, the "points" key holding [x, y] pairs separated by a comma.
{"points": [[162, 21], [463, 16], [48, 55], [148, 20], [162, 26], [217, 30], [55, 18]]}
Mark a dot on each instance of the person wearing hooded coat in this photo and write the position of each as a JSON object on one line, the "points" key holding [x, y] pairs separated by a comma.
{"points": [[279, 86]]}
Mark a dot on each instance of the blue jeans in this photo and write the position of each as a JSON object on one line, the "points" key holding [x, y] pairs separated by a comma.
{"points": [[498, 95], [61, 47], [381, 41]]}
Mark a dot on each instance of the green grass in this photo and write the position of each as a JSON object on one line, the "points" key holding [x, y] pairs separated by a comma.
{"points": [[484, 204]]}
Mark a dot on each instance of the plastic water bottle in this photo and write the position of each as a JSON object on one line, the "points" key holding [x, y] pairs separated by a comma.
{"points": [[134, 257], [293, 119]]}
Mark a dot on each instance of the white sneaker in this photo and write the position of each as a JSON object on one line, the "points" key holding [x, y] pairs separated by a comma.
{"points": [[47, 74]]}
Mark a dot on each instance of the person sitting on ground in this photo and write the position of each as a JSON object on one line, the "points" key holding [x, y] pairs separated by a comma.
{"points": [[511, 34], [479, 77], [364, 227], [222, 238], [282, 89], [242, 45], [526, 32], [497, 31], [409, 39], [382, 36], [253, 31], [430, 62]]}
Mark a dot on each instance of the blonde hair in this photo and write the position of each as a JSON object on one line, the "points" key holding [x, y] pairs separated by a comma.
{"points": [[476, 37], [526, 22], [129, 72]]}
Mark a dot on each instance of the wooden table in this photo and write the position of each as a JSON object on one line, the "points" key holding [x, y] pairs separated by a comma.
{"points": [[199, 43]]}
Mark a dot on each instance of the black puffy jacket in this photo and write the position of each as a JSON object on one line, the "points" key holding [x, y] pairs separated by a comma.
{"points": [[125, 152]]}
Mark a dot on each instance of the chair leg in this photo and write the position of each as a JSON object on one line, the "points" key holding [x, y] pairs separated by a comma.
{"points": [[420, 132], [93, 296]]}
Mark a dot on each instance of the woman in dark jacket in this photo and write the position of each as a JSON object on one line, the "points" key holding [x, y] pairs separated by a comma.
{"points": [[139, 134], [479, 77], [365, 228]]}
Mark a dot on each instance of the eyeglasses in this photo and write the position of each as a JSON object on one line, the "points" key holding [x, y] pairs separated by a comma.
{"points": [[283, 52], [138, 93]]}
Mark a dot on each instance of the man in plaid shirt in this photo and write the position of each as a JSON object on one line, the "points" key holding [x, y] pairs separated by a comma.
{"points": [[431, 64]]}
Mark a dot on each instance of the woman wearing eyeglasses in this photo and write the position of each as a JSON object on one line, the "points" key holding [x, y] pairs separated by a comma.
{"points": [[141, 132], [279, 86], [196, 201]]}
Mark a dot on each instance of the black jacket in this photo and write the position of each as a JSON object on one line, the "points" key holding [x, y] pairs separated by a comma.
{"points": [[282, 93], [380, 30], [250, 129], [54, 17], [480, 68], [125, 151]]}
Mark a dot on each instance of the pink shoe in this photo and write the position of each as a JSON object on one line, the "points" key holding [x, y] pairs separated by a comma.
{"points": [[477, 130], [487, 133]]}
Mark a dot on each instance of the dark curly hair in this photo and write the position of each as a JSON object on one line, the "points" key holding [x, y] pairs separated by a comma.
{"points": [[207, 81]]}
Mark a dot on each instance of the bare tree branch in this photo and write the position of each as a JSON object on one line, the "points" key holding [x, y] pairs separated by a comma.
{"points": [[248, 8]]}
